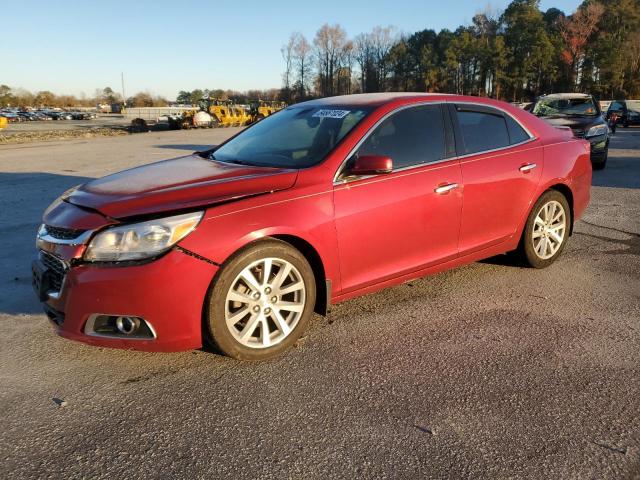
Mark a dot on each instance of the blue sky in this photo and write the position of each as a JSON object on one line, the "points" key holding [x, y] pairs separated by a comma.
{"points": [[75, 46]]}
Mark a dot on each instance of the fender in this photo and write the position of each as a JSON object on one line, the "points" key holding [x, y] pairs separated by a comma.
{"points": [[309, 218], [574, 179]]}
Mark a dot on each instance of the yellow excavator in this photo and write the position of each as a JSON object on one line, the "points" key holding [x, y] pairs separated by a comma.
{"points": [[260, 109], [228, 114]]}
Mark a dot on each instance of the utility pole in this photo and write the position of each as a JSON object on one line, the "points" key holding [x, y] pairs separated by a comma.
{"points": [[124, 98]]}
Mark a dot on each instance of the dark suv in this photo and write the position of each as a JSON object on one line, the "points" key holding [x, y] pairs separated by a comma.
{"points": [[582, 114], [628, 112]]}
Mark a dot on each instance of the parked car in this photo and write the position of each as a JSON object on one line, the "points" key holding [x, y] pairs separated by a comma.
{"points": [[10, 116], [321, 202], [27, 116], [42, 116], [55, 114], [582, 114], [628, 112]]}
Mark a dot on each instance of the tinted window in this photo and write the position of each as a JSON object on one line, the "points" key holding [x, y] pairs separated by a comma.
{"points": [[615, 106], [483, 131], [517, 134], [410, 137]]}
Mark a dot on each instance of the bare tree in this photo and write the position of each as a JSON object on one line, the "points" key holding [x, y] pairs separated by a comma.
{"points": [[575, 31], [372, 56], [287, 55], [330, 43], [302, 61], [363, 57], [382, 41]]}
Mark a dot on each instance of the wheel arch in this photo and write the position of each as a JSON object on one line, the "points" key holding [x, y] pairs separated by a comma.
{"points": [[558, 186], [310, 253], [323, 286]]}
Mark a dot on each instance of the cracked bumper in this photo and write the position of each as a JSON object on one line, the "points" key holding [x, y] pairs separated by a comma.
{"points": [[169, 293]]}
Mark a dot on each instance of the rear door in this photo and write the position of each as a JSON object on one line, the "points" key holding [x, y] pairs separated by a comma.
{"points": [[501, 167], [395, 223]]}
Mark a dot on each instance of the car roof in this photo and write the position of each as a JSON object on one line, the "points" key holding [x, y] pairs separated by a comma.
{"points": [[369, 99], [566, 95]]}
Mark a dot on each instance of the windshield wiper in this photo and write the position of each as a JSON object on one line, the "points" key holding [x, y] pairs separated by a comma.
{"points": [[233, 161]]}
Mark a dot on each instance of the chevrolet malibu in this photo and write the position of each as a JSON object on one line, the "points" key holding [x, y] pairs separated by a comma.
{"points": [[237, 246]]}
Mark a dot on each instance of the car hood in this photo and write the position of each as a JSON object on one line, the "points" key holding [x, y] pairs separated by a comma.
{"points": [[574, 122], [185, 182]]}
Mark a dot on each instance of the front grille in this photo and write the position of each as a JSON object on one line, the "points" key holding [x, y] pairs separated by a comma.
{"points": [[63, 233], [57, 270], [578, 132]]}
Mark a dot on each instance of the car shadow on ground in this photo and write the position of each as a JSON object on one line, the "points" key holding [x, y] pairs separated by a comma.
{"points": [[511, 259], [23, 199]]}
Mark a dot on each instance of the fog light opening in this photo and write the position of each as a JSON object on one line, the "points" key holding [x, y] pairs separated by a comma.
{"points": [[119, 326], [127, 325]]}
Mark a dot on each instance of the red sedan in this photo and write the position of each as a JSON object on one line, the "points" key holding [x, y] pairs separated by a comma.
{"points": [[324, 201]]}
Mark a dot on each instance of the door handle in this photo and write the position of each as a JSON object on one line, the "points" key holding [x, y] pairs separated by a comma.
{"points": [[528, 167], [441, 190]]}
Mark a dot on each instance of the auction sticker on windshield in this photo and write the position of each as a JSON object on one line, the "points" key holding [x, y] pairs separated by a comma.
{"points": [[331, 113]]}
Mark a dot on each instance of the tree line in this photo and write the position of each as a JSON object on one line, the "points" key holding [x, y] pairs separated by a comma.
{"points": [[194, 97], [515, 55], [19, 97]]}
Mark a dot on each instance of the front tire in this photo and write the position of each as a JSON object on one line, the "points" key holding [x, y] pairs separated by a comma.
{"points": [[261, 301], [602, 163], [547, 230]]}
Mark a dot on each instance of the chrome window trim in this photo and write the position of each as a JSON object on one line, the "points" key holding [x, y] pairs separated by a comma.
{"points": [[336, 181], [467, 155]]}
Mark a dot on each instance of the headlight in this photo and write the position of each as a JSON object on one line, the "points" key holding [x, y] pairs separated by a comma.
{"points": [[140, 240], [597, 130]]}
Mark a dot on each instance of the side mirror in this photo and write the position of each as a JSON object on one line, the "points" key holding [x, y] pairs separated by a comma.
{"points": [[371, 165]]}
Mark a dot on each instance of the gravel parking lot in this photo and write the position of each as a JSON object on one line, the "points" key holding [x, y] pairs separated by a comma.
{"points": [[103, 121], [487, 371]]}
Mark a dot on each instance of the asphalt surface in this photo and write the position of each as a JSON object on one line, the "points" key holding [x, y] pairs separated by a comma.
{"points": [[486, 371]]}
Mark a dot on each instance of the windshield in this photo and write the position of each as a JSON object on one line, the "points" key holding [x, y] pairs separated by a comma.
{"points": [[547, 107], [295, 137]]}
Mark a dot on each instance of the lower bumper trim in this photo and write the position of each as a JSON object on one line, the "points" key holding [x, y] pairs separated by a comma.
{"points": [[54, 315]]}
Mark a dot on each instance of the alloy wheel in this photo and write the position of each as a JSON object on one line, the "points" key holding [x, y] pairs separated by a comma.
{"points": [[549, 229], [265, 302]]}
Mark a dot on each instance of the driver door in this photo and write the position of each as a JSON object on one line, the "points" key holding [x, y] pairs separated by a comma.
{"points": [[396, 223]]}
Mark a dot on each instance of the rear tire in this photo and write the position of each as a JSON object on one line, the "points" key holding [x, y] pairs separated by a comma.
{"points": [[251, 316], [547, 230]]}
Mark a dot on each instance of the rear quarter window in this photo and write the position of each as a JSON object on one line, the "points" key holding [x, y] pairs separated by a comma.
{"points": [[482, 131], [517, 134]]}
